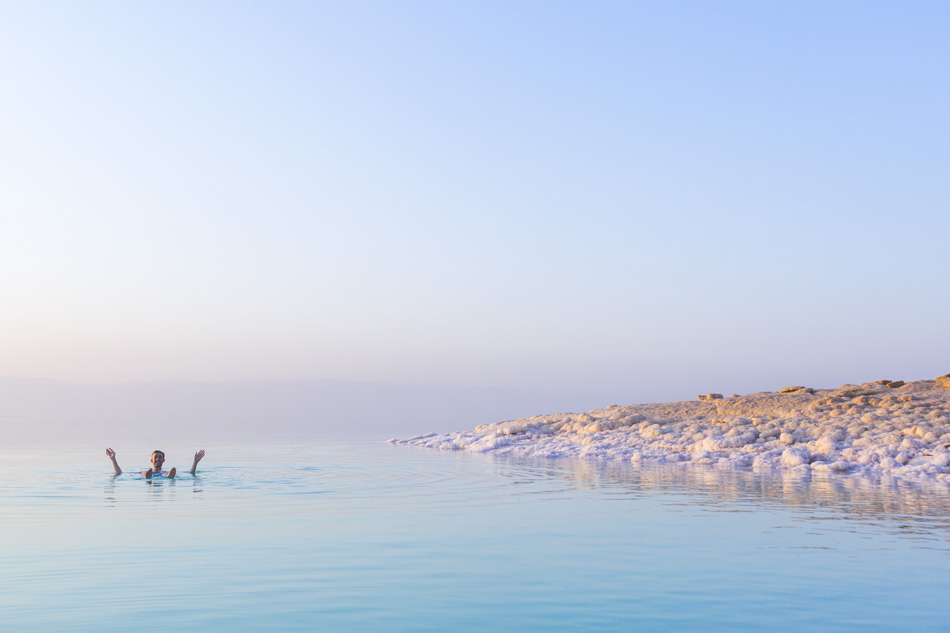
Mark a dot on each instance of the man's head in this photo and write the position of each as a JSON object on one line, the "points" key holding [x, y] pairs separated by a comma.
{"points": [[158, 458]]}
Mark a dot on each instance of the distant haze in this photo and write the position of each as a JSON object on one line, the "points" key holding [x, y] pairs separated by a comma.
{"points": [[224, 411], [421, 215]]}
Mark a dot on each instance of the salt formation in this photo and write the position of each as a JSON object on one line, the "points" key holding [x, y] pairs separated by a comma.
{"points": [[879, 428]]}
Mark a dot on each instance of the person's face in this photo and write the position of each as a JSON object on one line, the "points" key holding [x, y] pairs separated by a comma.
{"points": [[157, 460]]}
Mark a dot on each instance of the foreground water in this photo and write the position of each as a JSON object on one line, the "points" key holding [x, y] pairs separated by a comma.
{"points": [[370, 536]]}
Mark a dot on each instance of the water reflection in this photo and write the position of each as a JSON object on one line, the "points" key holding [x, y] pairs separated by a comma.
{"points": [[413, 474], [128, 488], [355, 537], [281, 477], [895, 505]]}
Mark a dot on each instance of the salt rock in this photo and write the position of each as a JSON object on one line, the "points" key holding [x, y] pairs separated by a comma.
{"points": [[726, 442], [838, 466], [852, 391], [824, 445], [796, 390], [651, 432], [713, 396], [796, 456], [874, 431]]}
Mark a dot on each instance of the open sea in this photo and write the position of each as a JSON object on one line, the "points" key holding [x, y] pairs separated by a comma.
{"points": [[368, 536]]}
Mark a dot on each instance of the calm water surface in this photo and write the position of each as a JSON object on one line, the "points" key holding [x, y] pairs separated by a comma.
{"points": [[369, 537]]}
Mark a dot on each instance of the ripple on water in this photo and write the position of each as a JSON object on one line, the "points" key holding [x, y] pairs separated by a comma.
{"points": [[323, 535]]}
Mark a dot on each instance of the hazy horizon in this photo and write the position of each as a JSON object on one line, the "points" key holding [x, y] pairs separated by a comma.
{"points": [[639, 201], [226, 411], [223, 411]]}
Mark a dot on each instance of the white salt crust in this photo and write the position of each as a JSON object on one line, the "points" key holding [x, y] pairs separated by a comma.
{"points": [[879, 429]]}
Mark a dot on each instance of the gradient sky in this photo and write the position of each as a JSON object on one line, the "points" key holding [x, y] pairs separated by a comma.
{"points": [[651, 199]]}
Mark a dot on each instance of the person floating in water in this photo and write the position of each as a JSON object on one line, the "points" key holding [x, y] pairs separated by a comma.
{"points": [[158, 458]]}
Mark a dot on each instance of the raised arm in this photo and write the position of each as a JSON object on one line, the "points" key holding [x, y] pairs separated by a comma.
{"points": [[198, 456], [111, 454]]}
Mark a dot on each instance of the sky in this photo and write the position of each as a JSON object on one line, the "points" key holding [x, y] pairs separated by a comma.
{"points": [[642, 199]]}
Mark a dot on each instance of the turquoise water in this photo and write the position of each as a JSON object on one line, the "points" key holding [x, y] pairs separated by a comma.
{"points": [[369, 537]]}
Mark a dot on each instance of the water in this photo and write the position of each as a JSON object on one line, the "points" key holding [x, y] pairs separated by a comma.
{"points": [[369, 537]]}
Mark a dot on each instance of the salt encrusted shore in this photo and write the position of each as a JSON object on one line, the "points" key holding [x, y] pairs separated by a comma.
{"points": [[883, 428]]}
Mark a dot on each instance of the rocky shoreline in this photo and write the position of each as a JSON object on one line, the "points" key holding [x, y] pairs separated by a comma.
{"points": [[881, 428]]}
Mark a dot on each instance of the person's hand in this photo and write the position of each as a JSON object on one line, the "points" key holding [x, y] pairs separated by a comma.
{"points": [[115, 465], [199, 455]]}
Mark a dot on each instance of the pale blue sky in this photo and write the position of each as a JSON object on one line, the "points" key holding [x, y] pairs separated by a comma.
{"points": [[644, 199]]}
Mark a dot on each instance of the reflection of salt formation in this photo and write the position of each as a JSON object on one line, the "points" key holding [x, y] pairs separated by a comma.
{"points": [[899, 505], [887, 428]]}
